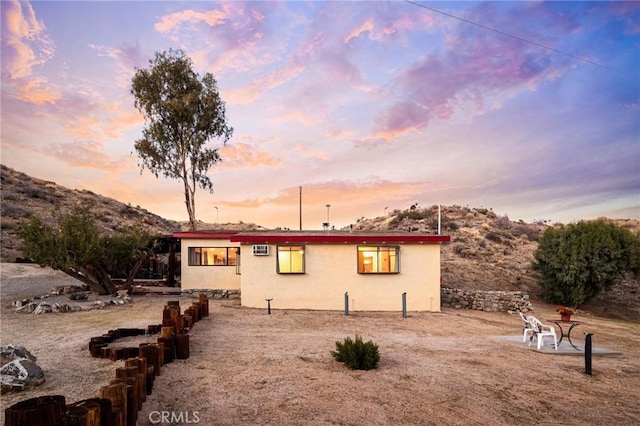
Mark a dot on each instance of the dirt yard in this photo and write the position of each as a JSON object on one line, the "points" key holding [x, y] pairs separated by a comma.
{"points": [[247, 367]]}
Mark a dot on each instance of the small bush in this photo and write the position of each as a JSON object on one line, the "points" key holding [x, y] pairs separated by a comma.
{"points": [[503, 222], [463, 250], [493, 236], [533, 233], [78, 296], [357, 355], [452, 226]]}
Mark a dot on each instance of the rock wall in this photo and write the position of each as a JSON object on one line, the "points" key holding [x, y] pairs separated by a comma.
{"points": [[488, 301], [213, 294]]}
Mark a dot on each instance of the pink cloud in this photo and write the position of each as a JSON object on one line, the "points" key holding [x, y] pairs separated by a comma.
{"points": [[82, 154], [476, 65], [244, 155], [260, 85], [36, 91], [299, 116], [126, 58], [304, 152], [25, 43], [331, 73], [349, 200], [173, 21], [366, 26], [234, 30]]}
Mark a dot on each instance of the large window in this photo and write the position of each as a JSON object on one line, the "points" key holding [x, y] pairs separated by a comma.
{"points": [[378, 259], [213, 256], [290, 259]]}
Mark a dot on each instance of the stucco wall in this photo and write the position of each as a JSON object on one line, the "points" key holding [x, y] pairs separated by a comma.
{"points": [[331, 270], [207, 277]]}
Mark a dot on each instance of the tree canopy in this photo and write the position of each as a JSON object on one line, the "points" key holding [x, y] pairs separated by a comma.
{"points": [[183, 112], [76, 246], [578, 261]]}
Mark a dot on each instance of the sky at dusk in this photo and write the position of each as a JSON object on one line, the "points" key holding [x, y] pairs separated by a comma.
{"points": [[529, 108]]}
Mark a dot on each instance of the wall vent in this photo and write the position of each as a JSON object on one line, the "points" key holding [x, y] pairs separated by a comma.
{"points": [[261, 250]]}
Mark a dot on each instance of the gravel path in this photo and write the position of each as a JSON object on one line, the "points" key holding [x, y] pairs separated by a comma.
{"points": [[29, 280]]}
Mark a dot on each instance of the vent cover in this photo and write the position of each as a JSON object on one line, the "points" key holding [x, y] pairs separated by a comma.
{"points": [[261, 250]]}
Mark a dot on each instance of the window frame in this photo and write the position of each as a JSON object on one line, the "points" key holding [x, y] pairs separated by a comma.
{"points": [[191, 250], [378, 263], [291, 247]]}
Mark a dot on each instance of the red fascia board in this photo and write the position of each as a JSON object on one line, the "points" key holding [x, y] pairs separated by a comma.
{"points": [[205, 235], [340, 239]]}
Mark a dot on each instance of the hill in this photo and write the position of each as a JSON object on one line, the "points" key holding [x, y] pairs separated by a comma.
{"points": [[23, 197], [491, 252], [487, 251]]}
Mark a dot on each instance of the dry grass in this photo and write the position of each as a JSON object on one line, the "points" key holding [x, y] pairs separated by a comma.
{"points": [[247, 367]]}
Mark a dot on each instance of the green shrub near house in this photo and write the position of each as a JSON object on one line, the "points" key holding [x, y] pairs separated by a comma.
{"points": [[357, 355]]}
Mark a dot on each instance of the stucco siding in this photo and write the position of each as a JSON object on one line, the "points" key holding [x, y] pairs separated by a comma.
{"points": [[207, 277], [331, 270]]}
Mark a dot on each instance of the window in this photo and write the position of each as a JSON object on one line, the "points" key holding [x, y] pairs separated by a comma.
{"points": [[378, 259], [290, 259], [213, 256]]}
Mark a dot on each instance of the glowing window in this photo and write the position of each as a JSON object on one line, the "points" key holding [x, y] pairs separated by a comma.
{"points": [[378, 259], [213, 256], [290, 260]]}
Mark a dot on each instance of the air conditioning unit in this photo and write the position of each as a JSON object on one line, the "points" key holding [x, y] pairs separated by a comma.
{"points": [[261, 250]]}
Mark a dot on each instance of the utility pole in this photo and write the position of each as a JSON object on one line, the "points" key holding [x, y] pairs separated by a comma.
{"points": [[328, 221]]}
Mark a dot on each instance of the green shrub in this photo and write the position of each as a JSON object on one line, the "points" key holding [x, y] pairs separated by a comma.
{"points": [[357, 355], [80, 295], [578, 261]]}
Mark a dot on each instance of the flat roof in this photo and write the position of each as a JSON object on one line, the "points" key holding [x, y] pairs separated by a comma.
{"points": [[319, 237], [205, 234]]}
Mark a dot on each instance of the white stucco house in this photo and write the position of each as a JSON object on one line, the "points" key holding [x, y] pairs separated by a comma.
{"points": [[314, 269]]}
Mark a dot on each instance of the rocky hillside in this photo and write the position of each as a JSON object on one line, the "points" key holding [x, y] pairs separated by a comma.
{"points": [[24, 197], [487, 251], [491, 252]]}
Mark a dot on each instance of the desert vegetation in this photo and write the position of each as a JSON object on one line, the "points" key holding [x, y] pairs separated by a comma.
{"points": [[249, 367], [488, 251]]}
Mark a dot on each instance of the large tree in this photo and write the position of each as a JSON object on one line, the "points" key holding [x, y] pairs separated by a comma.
{"points": [[578, 261], [75, 245], [183, 113]]}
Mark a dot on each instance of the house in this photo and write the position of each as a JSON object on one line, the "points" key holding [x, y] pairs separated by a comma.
{"points": [[314, 269]]}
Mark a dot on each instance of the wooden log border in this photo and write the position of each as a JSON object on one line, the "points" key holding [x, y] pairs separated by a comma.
{"points": [[118, 402]]}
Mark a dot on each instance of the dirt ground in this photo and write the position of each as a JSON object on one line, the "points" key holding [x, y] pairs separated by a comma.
{"points": [[247, 367]]}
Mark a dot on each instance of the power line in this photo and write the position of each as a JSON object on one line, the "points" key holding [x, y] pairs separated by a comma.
{"points": [[518, 38]]}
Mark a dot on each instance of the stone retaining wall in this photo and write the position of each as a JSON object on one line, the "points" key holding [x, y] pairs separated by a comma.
{"points": [[488, 301], [212, 294]]}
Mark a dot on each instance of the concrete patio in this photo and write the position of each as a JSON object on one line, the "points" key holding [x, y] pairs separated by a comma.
{"points": [[563, 349]]}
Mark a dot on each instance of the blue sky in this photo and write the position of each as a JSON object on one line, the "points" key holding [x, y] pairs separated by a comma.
{"points": [[529, 108]]}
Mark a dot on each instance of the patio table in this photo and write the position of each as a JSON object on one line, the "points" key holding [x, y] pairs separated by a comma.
{"points": [[572, 324]]}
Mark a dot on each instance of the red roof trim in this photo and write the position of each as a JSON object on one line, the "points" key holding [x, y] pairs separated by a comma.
{"points": [[341, 239], [205, 235], [317, 237]]}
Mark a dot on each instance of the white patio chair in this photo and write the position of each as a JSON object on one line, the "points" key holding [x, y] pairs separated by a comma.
{"points": [[540, 331], [526, 327]]}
